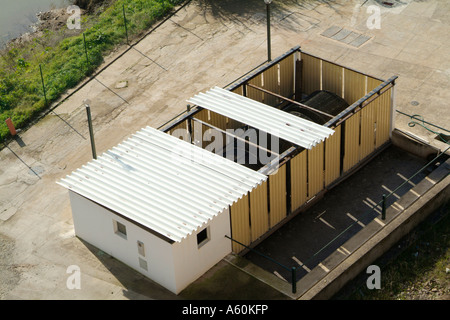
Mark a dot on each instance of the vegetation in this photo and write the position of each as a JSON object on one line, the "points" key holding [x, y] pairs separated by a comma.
{"points": [[62, 56]]}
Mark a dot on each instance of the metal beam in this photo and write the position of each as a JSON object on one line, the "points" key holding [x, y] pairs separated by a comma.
{"points": [[301, 105]]}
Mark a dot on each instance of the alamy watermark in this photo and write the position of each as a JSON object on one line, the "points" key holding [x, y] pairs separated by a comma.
{"points": [[374, 280], [373, 21], [74, 280], [246, 146], [74, 21]]}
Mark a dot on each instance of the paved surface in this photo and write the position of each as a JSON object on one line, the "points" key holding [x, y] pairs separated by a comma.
{"points": [[207, 43]]}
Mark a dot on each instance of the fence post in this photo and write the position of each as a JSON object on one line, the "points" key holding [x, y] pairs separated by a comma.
{"points": [[43, 86], [383, 208], [189, 123], [85, 51], [294, 280], [125, 21], [91, 130]]}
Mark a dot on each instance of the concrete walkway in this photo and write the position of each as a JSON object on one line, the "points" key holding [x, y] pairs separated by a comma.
{"points": [[207, 43]]}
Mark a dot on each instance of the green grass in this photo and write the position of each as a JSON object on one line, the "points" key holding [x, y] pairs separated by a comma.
{"points": [[63, 58], [417, 272]]}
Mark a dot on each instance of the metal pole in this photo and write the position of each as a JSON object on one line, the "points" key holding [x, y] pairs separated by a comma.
{"points": [[85, 51], [91, 131], [189, 121], [383, 208], [294, 280], [125, 21], [269, 58], [43, 86]]}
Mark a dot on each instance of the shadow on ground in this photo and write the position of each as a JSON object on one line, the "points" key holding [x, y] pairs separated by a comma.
{"points": [[248, 12], [222, 282], [136, 286]]}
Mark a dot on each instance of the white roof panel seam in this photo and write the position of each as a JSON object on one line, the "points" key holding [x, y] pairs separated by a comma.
{"points": [[279, 113], [142, 183], [217, 162], [264, 122], [128, 199], [182, 173], [109, 178], [256, 114], [103, 199]]}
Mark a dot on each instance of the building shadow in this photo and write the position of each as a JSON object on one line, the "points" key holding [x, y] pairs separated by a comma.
{"points": [[136, 286]]}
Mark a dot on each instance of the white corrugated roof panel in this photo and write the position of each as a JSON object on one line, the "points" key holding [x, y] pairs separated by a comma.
{"points": [[276, 122], [163, 183]]}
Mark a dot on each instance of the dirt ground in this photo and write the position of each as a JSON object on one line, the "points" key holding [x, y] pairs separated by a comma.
{"points": [[207, 43]]}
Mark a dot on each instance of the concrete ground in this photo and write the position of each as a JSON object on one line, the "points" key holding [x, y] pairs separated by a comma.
{"points": [[207, 43]]}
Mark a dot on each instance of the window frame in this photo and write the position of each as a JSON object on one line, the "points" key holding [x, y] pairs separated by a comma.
{"points": [[117, 229], [206, 238]]}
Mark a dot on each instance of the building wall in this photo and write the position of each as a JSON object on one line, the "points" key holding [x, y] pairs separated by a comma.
{"points": [[95, 225], [191, 260], [174, 266]]}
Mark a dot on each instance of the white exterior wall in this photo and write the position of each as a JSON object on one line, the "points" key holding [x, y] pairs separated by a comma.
{"points": [[94, 224], [192, 261], [174, 266]]}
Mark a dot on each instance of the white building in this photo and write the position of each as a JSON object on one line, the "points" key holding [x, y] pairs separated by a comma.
{"points": [[159, 205]]}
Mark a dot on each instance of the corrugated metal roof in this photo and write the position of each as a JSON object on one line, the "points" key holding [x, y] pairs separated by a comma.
{"points": [[163, 183], [263, 117]]}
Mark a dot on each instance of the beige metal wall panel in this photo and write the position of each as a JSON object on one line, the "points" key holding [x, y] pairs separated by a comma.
{"points": [[315, 170], [277, 191], [259, 211], [299, 181], [253, 93], [383, 116], [287, 76], [233, 124], [372, 83], [271, 83], [310, 73], [240, 224], [354, 86], [199, 129], [333, 156], [332, 77], [181, 125], [238, 90], [217, 120], [351, 149], [368, 128]]}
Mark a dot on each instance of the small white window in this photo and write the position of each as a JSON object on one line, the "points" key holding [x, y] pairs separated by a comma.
{"points": [[120, 229], [203, 237]]}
